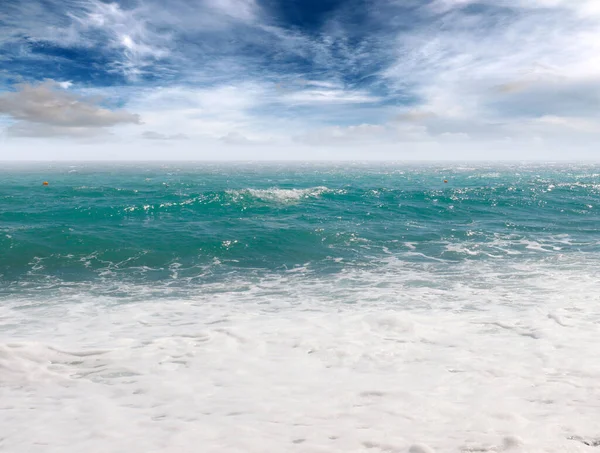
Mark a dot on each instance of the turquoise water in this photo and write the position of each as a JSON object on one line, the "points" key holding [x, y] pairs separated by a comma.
{"points": [[177, 223], [287, 307]]}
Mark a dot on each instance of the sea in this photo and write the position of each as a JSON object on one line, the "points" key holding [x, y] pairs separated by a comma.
{"points": [[299, 307]]}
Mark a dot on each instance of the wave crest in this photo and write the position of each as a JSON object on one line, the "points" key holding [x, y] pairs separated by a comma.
{"points": [[279, 195]]}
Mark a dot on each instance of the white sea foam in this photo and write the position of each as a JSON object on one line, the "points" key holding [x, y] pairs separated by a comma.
{"points": [[494, 174], [280, 195], [471, 357]]}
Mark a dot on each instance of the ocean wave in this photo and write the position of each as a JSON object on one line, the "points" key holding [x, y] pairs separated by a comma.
{"points": [[279, 195], [300, 317], [399, 340], [81, 229]]}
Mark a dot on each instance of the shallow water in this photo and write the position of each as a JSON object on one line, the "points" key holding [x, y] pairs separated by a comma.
{"points": [[308, 308]]}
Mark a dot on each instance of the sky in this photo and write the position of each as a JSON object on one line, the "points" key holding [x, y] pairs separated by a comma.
{"points": [[300, 79]]}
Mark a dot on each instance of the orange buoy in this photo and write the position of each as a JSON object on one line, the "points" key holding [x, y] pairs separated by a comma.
{"points": [[45, 183], [445, 181]]}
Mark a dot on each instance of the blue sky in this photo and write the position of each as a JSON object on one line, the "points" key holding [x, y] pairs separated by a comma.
{"points": [[274, 79]]}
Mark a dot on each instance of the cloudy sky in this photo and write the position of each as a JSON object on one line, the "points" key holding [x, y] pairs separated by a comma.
{"points": [[299, 79]]}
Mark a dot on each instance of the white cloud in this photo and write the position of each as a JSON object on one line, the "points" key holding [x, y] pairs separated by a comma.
{"points": [[524, 71], [415, 115], [243, 10], [138, 38], [345, 136], [366, 135], [65, 85], [581, 7], [45, 109], [127, 31], [235, 138], [151, 135], [207, 112], [247, 112], [36, 130], [576, 124], [503, 73], [328, 96]]}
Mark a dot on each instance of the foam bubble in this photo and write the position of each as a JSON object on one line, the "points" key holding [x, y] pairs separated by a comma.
{"points": [[280, 195], [407, 357]]}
